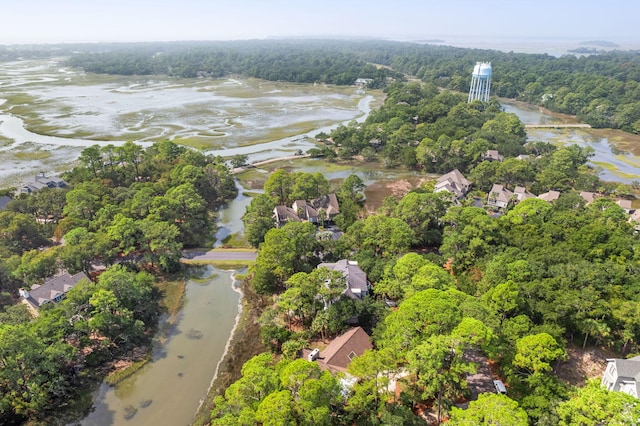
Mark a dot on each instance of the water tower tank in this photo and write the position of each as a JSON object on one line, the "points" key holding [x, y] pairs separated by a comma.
{"points": [[480, 82]]}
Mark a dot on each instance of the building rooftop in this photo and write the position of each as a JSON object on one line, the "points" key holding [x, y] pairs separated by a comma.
{"points": [[339, 353], [53, 289]]}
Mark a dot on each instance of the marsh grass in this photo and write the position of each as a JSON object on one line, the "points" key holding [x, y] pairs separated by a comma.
{"points": [[249, 177], [614, 170], [204, 280], [198, 143], [235, 241], [172, 295], [251, 194], [16, 99], [36, 154], [147, 125], [120, 375]]}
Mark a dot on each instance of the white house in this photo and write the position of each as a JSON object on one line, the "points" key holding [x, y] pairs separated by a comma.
{"points": [[623, 375]]}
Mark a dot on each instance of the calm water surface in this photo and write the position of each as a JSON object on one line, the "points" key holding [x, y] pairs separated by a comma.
{"points": [[185, 357], [613, 162]]}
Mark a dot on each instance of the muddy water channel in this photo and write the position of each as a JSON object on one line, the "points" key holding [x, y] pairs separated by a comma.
{"points": [[186, 353]]}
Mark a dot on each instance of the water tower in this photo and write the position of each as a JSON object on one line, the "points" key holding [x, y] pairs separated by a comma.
{"points": [[480, 82]]}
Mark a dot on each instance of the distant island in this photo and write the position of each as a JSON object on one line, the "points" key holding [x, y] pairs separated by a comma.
{"points": [[586, 51], [434, 40], [601, 43]]}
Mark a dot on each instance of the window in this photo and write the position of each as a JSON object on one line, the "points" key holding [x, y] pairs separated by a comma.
{"points": [[351, 355]]}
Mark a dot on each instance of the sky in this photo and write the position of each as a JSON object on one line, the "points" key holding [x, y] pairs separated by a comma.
{"points": [[65, 21]]}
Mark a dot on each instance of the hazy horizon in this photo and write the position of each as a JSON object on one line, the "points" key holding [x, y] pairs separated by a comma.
{"points": [[74, 21]]}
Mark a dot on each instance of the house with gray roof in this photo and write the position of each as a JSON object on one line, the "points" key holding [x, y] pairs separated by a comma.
{"points": [[521, 193], [453, 182], [53, 290], [328, 203], [589, 197], [499, 196], [623, 375], [324, 208], [492, 155], [625, 205], [634, 219], [357, 285], [41, 181], [549, 196], [284, 214]]}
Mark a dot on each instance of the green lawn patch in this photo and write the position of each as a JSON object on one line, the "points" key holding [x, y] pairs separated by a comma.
{"points": [[236, 241]]}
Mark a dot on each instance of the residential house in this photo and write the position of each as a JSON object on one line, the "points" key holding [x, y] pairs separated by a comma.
{"points": [[549, 196], [623, 375], [499, 196], [521, 193], [284, 214], [453, 182], [42, 181], [328, 203], [53, 290], [625, 205], [523, 157], [492, 155], [357, 285], [589, 197], [342, 350], [634, 219], [324, 208], [305, 211], [376, 144]]}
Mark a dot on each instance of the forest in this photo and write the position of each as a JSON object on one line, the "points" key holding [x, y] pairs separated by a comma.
{"points": [[517, 286], [124, 221], [601, 89]]}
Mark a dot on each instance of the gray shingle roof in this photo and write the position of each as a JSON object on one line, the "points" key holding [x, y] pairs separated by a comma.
{"points": [[357, 284], [55, 288]]}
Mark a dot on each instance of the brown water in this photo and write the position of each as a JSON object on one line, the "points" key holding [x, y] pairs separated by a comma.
{"points": [[185, 357]]}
